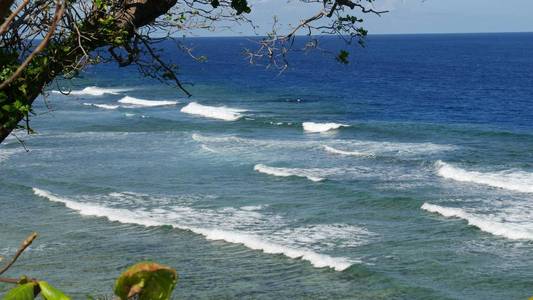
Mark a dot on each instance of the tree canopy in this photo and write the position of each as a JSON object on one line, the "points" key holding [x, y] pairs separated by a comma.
{"points": [[43, 39]]}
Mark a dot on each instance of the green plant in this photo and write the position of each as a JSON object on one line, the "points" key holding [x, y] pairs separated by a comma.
{"points": [[142, 281]]}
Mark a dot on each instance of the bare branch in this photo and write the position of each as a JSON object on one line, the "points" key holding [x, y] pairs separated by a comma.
{"points": [[23, 246], [7, 22]]}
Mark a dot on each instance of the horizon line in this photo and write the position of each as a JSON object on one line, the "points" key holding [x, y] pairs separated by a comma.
{"points": [[369, 34]]}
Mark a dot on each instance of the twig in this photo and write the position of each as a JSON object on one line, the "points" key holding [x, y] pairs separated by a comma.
{"points": [[25, 244], [58, 14], [8, 21], [170, 72], [9, 280], [21, 142]]}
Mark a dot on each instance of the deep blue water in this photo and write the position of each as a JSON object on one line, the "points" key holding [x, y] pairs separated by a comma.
{"points": [[425, 191]]}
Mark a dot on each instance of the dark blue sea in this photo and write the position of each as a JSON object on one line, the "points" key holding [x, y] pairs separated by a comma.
{"points": [[406, 174]]}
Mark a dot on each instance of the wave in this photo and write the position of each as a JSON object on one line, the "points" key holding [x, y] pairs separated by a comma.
{"points": [[348, 153], [495, 225], [136, 102], [513, 180], [321, 127], [361, 147], [213, 112], [288, 172], [252, 207], [104, 106], [179, 216], [96, 91]]}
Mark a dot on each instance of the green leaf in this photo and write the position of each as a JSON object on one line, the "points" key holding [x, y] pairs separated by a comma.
{"points": [[51, 293], [147, 280], [342, 57], [240, 6], [21, 292]]}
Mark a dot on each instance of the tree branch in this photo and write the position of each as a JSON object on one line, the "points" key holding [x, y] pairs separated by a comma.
{"points": [[25, 244], [8, 21], [57, 16]]}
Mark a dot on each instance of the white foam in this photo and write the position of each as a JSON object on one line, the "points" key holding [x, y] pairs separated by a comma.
{"points": [[327, 236], [347, 153], [186, 218], [136, 102], [255, 243], [252, 207], [213, 112], [96, 91], [288, 172], [513, 180], [489, 223], [104, 106], [321, 127], [368, 148]]}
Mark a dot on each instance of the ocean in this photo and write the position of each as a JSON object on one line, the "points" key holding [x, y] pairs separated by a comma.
{"points": [[406, 174]]}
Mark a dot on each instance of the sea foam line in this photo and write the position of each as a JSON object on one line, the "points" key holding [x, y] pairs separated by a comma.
{"points": [[347, 153], [96, 91], [501, 228], [213, 112], [287, 172], [251, 241], [103, 106], [518, 181], [321, 127], [147, 103]]}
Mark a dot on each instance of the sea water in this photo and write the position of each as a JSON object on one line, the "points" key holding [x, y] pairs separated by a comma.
{"points": [[407, 174]]}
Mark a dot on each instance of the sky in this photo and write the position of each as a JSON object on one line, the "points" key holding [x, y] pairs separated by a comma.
{"points": [[405, 16]]}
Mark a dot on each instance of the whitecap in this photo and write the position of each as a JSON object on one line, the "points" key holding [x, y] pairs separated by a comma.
{"points": [[289, 172], [368, 148], [494, 224], [513, 180], [103, 106], [321, 127], [97, 91], [228, 224], [213, 112], [347, 153], [136, 102], [252, 207]]}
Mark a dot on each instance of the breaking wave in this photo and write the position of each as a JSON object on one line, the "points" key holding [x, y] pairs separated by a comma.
{"points": [[347, 153], [227, 224], [213, 112], [513, 180], [96, 91], [103, 106], [288, 172], [494, 224], [136, 102], [321, 127]]}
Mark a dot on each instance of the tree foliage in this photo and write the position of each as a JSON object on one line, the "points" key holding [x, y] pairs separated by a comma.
{"points": [[43, 39]]}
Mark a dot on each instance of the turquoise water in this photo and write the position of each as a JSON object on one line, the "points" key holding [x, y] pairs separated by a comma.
{"points": [[423, 191]]}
